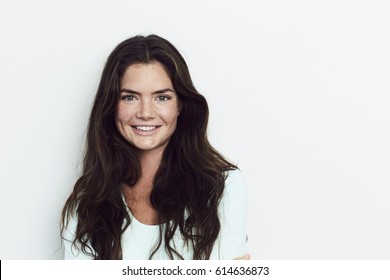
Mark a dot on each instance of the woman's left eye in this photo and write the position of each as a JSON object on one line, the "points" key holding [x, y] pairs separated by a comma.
{"points": [[163, 98], [128, 97]]}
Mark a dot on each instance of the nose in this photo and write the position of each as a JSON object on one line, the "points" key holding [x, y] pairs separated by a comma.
{"points": [[145, 110]]}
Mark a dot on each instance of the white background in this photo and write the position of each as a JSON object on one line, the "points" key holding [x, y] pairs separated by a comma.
{"points": [[298, 94]]}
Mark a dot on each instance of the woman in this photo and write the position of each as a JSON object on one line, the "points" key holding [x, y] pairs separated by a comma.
{"points": [[152, 187]]}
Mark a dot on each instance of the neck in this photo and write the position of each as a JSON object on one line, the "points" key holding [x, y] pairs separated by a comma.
{"points": [[150, 162]]}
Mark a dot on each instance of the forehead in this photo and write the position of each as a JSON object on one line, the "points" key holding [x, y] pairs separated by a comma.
{"points": [[146, 76]]}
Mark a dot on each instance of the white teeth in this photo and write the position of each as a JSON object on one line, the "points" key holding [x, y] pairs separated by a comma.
{"points": [[145, 128]]}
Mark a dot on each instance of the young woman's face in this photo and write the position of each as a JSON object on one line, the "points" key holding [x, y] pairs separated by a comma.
{"points": [[148, 107]]}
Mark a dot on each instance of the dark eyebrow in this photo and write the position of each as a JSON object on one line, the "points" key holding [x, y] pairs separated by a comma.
{"points": [[128, 91], [156, 92], [163, 91]]}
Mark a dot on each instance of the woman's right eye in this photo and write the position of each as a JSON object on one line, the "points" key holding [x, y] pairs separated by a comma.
{"points": [[127, 98]]}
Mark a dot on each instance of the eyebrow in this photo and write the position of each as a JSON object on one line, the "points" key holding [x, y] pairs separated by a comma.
{"points": [[156, 92]]}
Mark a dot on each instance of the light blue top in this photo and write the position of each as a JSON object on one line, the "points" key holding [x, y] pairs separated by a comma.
{"points": [[139, 239]]}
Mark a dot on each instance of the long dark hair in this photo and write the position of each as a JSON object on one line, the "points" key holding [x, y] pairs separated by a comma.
{"points": [[188, 184]]}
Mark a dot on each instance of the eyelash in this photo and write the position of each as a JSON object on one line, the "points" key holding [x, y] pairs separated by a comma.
{"points": [[125, 97], [158, 98], [166, 98]]}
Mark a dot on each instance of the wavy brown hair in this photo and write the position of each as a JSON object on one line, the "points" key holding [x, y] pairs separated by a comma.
{"points": [[190, 180]]}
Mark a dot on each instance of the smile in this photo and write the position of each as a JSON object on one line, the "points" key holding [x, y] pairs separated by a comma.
{"points": [[145, 128]]}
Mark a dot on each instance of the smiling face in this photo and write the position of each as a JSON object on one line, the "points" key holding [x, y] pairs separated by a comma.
{"points": [[148, 107]]}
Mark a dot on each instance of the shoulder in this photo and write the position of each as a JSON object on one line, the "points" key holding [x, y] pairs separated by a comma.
{"points": [[235, 182], [235, 192], [234, 175]]}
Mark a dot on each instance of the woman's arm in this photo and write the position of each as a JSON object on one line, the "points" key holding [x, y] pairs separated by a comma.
{"points": [[231, 242], [71, 252]]}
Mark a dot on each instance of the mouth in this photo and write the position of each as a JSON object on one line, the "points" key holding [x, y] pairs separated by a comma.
{"points": [[145, 127], [145, 130]]}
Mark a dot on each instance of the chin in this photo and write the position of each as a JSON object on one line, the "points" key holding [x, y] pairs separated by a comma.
{"points": [[146, 148]]}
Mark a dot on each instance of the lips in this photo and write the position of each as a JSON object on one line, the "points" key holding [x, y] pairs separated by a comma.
{"points": [[145, 129]]}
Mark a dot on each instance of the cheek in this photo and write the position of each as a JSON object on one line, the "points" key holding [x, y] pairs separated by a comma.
{"points": [[171, 115], [122, 114], [121, 120]]}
